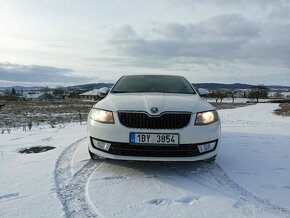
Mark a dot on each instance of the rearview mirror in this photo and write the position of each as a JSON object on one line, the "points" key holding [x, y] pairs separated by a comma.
{"points": [[103, 92], [203, 92]]}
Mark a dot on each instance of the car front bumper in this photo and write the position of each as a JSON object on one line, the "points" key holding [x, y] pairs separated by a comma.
{"points": [[117, 136], [126, 151]]}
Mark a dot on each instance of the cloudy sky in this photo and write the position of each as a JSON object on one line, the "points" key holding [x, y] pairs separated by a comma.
{"points": [[65, 42]]}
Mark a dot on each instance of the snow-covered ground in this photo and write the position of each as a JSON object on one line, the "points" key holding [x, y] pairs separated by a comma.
{"points": [[229, 100], [240, 100], [251, 177]]}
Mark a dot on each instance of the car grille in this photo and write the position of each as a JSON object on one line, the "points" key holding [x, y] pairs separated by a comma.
{"points": [[144, 121]]}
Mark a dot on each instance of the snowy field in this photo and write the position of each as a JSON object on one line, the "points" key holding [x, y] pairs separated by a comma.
{"points": [[240, 100], [229, 100], [251, 176]]}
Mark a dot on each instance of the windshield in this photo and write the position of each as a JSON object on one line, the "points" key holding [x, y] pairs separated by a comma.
{"points": [[152, 83]]}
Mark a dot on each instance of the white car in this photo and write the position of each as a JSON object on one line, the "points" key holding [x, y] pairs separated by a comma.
{"points": [[153, 118]]}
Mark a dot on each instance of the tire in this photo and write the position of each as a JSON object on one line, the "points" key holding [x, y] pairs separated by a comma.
{"points": [[210, 160], [93, 156]]}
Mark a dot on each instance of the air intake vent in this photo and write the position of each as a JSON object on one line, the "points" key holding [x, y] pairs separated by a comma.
{"points": [[144, 121]]}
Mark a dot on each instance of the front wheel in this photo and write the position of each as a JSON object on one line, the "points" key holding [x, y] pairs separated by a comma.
{"points": [[93, 156], [210, 160]]}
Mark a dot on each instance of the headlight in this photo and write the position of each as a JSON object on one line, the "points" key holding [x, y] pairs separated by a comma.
{"points": [[102, 116], [205, 118]]}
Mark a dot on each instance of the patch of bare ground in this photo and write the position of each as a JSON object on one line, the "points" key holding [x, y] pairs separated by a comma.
{"points": [[283, 110], [220, 106], [36, 149], [24, 113]]}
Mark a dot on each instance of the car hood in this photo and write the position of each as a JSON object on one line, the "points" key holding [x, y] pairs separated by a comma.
{"points": [[145, 101]]}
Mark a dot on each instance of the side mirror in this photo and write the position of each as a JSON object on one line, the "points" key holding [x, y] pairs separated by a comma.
{"points": [[203, 92], [103, 92]]}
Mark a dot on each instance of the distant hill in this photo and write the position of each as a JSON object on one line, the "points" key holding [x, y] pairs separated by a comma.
{"points": [[278, 87], [89, 86], [24, 88], [214, 86], [70, 88], [209, 86]]}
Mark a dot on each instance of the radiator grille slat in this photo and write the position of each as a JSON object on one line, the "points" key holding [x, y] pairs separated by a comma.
{"points": [[141, 120]]}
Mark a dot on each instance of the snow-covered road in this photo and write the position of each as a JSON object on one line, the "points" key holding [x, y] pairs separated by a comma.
{"points": [[251, 177]]}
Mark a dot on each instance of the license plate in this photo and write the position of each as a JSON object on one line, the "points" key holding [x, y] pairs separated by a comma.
{"points": [[154, 138]]}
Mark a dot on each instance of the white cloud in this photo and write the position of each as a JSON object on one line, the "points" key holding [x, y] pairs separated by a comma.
{"points": [[109, 38], [219, 37]]}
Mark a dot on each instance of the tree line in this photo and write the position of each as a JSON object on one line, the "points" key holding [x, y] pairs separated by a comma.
{"points": [[256, 92]]}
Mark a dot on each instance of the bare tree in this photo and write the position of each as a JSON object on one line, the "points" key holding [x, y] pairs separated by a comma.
{"points": [[13, 92], [59, 92], [258, 92], [46, 89], [278, 95], [219, 95], [233, 94]]}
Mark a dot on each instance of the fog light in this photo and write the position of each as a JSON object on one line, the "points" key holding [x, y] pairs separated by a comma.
{"points": [[101, 145], [206, 147]]}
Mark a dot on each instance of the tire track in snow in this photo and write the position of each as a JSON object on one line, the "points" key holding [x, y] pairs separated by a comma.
{"points": [[212, 176], [70, 188]]}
